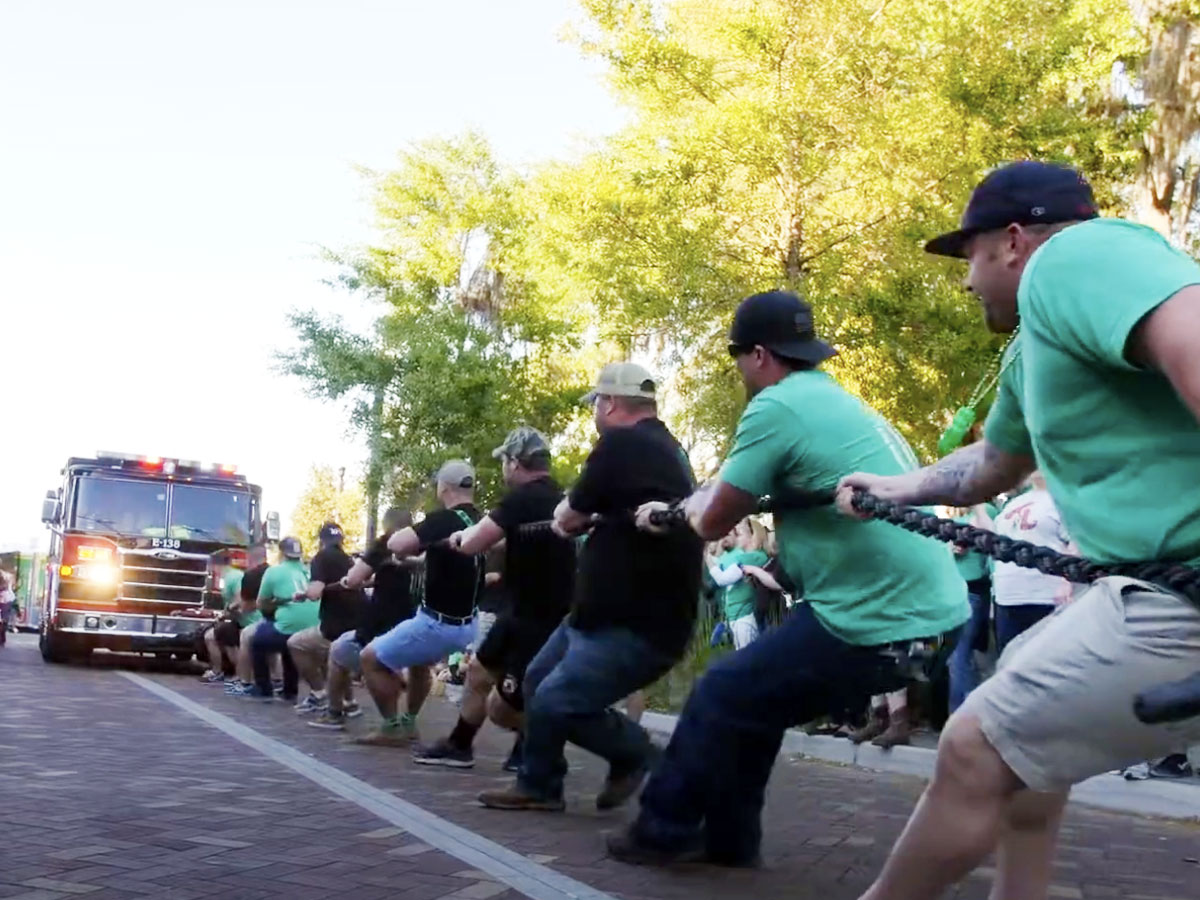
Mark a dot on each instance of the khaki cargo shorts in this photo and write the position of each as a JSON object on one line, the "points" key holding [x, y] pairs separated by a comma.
{"points": [[1060, 707], [309, 640]]}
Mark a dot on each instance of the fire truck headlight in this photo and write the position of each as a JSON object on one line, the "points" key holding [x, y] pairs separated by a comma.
{"points": [[97, 573]]}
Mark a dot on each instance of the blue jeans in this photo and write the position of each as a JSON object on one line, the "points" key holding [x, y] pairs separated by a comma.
{"points": [[712, 779], [569, 689], [964, 673], [267, 640], [1013, 621], [421, 641]]}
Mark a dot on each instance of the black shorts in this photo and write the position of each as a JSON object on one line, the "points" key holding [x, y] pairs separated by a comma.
{"points": [[228, 633], [508, 650]]}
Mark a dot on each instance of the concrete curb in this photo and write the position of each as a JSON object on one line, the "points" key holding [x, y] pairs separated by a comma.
{"points": [[1164, 799]]}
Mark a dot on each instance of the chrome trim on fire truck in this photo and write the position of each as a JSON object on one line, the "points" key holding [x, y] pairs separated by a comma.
{"points": [[174, 587], [124, 624]]}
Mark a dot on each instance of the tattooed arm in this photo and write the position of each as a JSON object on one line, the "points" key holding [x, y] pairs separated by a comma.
{"points": [[965, 477]]}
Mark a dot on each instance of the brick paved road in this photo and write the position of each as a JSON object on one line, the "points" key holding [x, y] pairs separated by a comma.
{"points": [[109, 791]]}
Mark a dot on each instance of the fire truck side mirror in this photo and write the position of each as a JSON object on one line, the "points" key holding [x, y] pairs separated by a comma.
{"points": [[50, 508], [272, 526]]}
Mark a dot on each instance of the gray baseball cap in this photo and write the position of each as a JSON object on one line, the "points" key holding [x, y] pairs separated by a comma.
{"points": [[290, 548], [522, 444], [456, 473], [622, 379]]}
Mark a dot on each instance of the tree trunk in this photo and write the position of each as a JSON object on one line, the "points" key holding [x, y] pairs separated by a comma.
{"points": [[1170, 84], [374, 479]]}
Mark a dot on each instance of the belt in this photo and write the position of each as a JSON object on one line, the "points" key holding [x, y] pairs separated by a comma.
{"points": [[920, 658], [445, 619]]}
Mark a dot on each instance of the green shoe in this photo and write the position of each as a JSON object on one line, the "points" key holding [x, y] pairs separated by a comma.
{"points": [[398, 732]]}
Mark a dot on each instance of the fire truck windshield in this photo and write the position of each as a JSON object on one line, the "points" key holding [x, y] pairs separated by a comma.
{"points": [[121, 505], [133, 507], [210, 514]]}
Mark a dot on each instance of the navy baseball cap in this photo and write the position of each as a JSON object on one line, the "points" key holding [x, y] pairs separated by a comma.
{"points": [[290, 548], [330, 533], [1024, 193], [781, 322]]}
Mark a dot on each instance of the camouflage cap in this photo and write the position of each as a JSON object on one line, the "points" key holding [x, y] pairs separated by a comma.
{"points": [[622, 379], [522, 444]]}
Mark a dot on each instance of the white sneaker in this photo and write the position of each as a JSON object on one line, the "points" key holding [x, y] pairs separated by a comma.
{"points": [[211, 677]]}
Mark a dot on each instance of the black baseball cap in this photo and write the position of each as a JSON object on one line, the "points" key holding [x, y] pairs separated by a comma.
{"points": [[1024, 193], [330, 533], [781, 322]]}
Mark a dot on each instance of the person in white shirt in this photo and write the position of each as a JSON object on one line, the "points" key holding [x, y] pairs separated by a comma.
{"points": [[1024, 597]]}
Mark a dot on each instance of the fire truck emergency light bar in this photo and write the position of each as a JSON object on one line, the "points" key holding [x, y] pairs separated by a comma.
{"points": [[166, 466]]}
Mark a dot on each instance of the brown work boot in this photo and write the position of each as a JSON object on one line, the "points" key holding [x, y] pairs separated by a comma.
{"points": [[876, 725], [619, 788], [899, 730], [517, 798]]}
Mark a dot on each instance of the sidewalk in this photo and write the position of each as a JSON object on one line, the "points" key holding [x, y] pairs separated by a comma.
{"points": [[1165, 798]]}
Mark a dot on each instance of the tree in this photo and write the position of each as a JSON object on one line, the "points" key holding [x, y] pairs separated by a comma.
{"points": [[1166, 86], [463, 349], [812, 145], [327, 498]]}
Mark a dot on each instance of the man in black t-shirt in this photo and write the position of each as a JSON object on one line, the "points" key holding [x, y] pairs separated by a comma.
{"points": [[309, 648], [538, 576], [445, 622], [389, 604], [634, 607]]}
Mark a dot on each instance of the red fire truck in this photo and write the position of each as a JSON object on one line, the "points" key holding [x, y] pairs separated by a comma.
{"points": [[137, 548]]}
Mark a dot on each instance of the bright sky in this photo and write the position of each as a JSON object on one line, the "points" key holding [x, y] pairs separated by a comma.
{"points": [[167, 171]]}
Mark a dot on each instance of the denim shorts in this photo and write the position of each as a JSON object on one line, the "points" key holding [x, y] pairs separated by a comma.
{"points": [[421, 641], [346, 652]]}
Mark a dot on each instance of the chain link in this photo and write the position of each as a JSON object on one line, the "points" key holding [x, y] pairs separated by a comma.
{"points": [[1173, 576]]}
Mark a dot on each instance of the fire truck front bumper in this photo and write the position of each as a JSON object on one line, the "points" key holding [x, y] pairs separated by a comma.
{"points": [[128, 631]]}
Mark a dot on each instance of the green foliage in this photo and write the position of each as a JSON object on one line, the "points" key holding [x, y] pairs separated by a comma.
{"points": [[813, 146], [322, 502], [806, 144]]}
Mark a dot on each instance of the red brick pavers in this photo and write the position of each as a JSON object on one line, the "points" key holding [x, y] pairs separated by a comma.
{"points": [[106, 792], [827, 828]]}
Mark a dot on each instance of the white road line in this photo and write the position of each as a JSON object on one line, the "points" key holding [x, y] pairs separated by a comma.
{"points": [[530, 878]]}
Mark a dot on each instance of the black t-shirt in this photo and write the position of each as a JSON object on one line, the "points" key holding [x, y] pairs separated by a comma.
{"points": [[252, 581], [628, 578], [339, 606], [539, 569], [494, 597], [452, 581], [391, 601]]}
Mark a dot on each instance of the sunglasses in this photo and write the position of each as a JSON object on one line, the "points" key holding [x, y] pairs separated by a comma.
{"points": [[736, 350]]}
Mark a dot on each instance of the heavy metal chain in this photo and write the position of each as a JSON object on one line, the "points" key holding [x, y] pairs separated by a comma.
{"points": [[1173, 576], [1161, 703]]}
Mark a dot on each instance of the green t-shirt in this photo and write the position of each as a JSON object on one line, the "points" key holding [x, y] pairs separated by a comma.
{"points": [[737, 599], [973, 565], [1106, 434], [281, 582], [868, 582], [231, 585]]}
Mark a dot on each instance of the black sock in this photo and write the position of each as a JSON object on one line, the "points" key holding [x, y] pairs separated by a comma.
{"points": [[463, 734]]}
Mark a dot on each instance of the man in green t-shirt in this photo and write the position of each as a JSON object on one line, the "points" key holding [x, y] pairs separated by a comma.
{"points": [[222, 654], [735, 589], [870, 590], [283, 590], [1102, 394]]}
